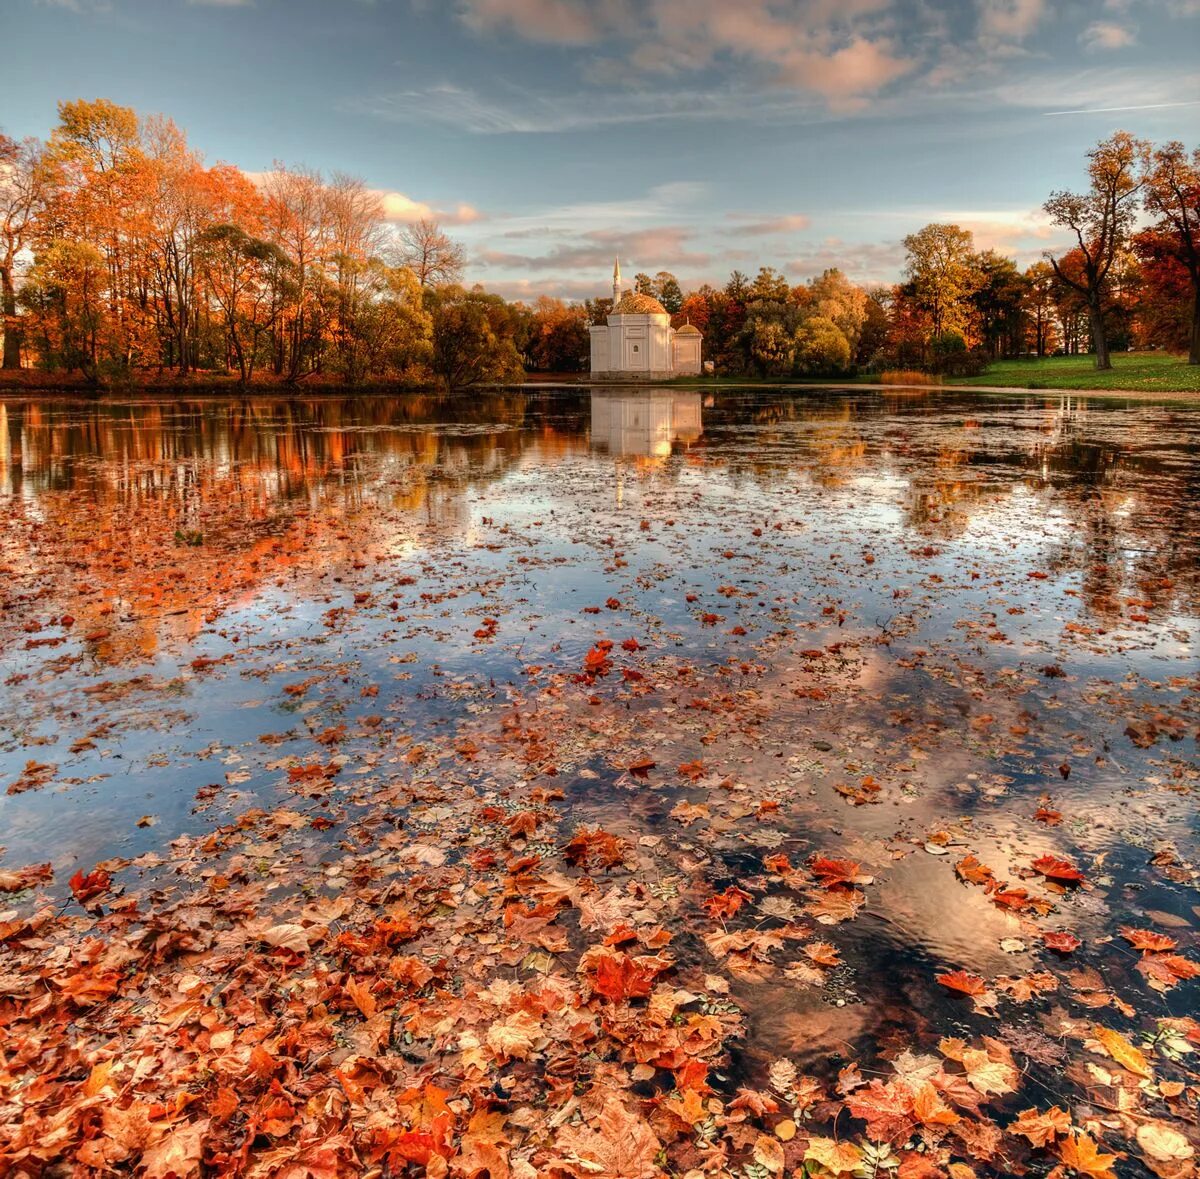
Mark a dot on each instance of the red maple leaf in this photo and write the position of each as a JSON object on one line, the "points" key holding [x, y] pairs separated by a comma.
{"points": [[1148, 939], [1054, 868], [887, 1110], [837, 873], [1063, 943], [961, 980], [84, 888], [619, 977], [727, 903]]}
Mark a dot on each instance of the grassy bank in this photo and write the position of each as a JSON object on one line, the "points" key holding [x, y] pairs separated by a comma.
{"points": [[1139, 372]]}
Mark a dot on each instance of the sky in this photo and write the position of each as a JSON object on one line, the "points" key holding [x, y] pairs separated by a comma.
{"points": [[696, 136]]}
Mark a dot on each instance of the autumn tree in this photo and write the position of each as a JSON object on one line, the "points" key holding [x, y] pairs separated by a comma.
{"points": [[873, 333], [558, 337], [354, 220], [392, 328], [1038, 304], [821, 347], [769, 336], [297, 212], [67, 295], [178, 211], [769, 286], [101, 195], [999, 303], [835, 298], [941, 274], [22, 194], [1173, 196], [433, 256], [695, 309], [667, 291], [239, 273], [1100, 221], [473, 339]]}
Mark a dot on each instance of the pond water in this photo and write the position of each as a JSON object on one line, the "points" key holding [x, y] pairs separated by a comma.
{"points": [[297, 663]]}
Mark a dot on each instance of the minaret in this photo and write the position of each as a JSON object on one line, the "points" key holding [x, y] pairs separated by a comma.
{"points": [[616, 281]]}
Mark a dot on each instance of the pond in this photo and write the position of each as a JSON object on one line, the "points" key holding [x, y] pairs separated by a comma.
{"points": [[764, 780]]}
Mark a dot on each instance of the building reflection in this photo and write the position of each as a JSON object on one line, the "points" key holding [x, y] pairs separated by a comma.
{"points": [[649, 423]]}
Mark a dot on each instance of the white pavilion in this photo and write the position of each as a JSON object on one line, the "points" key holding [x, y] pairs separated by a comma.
{"points": [[639, 342]]}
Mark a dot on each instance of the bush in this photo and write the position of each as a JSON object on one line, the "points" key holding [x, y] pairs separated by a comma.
{"points": [[907, 376], [952, 358], [821, 347]]}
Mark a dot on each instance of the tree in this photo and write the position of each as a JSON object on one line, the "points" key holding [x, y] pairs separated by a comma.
{"points": [[239, 273], [558, 337], [874, 331], [769, 286], [643, 284], [834, 297], [769, 337], [433, 256], [67, 295], [1166, 304], [473, 339], [667, 291], [942, 276], [22, 194], [821, 347], [1173, 196], [696, 309], [1039, 304], [999, 301], [738, 287], [392, 329], [297, 212], [1100, 220], [101, 195]]}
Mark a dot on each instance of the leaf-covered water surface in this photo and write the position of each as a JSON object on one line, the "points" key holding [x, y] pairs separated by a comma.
{"points": [[599, 784]]}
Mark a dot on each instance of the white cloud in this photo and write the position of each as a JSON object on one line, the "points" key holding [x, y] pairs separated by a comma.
{"points": [[838, 51], [1107, 35], [403, 209], [1014, 20], [762, 227]]}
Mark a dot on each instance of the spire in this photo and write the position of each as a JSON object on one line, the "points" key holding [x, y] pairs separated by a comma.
{"points": [[616, 281]]}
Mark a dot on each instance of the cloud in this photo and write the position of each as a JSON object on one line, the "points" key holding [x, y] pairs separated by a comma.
{"points": [[836, 51], [517, 111], [1106, 35], [1010, 20], [556, 22], [403, 209], [862, 262], [1102, 89], [654, 249], [791, 223]]}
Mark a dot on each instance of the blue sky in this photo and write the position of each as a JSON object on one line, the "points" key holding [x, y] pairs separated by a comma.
{"points": [[690, 135]]}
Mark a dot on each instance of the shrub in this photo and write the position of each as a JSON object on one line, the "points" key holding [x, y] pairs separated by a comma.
{"points": [[907, 376], [821, 347]]}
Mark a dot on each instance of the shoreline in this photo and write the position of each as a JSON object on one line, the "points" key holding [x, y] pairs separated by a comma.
{"points": [[81, 390]]}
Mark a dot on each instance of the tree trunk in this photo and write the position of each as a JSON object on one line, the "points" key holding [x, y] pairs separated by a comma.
{"points": [[12, 327], [1099, 339], [1193, 351]]}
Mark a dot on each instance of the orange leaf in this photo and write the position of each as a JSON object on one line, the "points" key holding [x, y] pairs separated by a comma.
{"points": [[961, 980], [1054, 868]]}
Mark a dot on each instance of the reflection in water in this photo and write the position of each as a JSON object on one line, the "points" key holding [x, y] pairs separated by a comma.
{"points": [[647, 423], [872, 627]]}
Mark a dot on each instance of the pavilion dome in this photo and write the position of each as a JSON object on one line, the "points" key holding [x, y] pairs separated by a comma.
{"points": [[634, 304], [688, 329]]}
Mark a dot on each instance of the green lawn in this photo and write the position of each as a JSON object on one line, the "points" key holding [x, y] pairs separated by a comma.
{"points": [[1141, 372]]}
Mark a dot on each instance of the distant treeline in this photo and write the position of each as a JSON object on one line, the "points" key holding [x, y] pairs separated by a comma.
{"points": [[123, 255]]}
